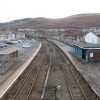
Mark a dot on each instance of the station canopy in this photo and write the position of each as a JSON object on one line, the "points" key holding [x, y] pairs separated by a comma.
{"points": [[85, 45]]}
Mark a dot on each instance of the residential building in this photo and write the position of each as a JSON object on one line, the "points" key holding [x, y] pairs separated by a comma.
{"points": [[6, 36], [92, 38], [19, 35]]}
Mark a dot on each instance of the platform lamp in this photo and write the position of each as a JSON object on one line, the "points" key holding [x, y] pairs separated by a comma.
{"points": [[55, 89]]}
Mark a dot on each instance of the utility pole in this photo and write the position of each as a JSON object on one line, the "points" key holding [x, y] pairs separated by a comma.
{"points": [[55, 91]]}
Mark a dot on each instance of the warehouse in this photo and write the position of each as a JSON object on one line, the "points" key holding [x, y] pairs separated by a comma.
{"points": [[87, 51]]}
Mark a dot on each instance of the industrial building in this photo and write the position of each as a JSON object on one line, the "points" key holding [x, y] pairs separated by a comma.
{"points": [[87, 51]]}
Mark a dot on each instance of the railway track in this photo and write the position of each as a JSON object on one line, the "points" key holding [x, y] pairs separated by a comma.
{"points": [[72, 79], [28, 80], [37, 84], [30, 85], [74, 87], [20, 82], [26, 85]]}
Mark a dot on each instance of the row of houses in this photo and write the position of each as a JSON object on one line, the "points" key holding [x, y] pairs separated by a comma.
{"points": [[6, 36]]}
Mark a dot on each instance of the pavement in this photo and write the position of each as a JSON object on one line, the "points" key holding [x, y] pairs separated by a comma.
{"points": [[89, 71]]}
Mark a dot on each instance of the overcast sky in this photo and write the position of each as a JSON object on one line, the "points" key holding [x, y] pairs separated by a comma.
{"points": [[17, 9]]}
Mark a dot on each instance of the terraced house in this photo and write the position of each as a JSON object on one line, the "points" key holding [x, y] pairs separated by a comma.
{"points": [[6, 36]]}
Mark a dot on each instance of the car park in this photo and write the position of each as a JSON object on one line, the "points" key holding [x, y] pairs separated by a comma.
{"points": [[26, 45], [2, 45], [20, 41], [12, 42]]}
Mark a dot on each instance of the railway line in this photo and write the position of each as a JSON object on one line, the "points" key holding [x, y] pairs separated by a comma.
{"points": [[22, 89], [74, 87], [30, 85]]}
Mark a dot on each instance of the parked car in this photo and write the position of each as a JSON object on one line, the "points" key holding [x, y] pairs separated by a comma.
{"points": [[2, 45], [20, 41], [12, 42], [26, 45]]}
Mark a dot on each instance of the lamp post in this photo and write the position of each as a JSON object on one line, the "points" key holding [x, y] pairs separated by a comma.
{"points": [[56, 88], [55, 91]]}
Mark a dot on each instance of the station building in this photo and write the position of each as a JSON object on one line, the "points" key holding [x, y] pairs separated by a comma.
{"points": [[87, 51], [9, 52], [7, 58]]}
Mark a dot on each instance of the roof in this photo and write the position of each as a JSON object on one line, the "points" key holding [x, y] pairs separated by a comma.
{"points": [[9, 50], [95, 33], [87, 45], [5, 32]]}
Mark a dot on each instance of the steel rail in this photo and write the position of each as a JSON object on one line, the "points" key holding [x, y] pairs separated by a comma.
{"points": [[14, 97], [81, 90], [36, 77], [25, 80]]}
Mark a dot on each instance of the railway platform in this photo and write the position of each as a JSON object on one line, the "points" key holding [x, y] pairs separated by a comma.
{"points": [[8, 83], [89, 71]]}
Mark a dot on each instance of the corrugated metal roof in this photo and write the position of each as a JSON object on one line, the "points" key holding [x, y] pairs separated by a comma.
{"points": [[86, 45], [9, 50]]}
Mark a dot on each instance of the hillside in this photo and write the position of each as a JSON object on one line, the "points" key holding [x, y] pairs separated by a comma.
{"points": [[80, 20]]}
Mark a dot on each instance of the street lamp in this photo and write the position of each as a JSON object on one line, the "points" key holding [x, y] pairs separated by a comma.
{"points": [[55, 89]]}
